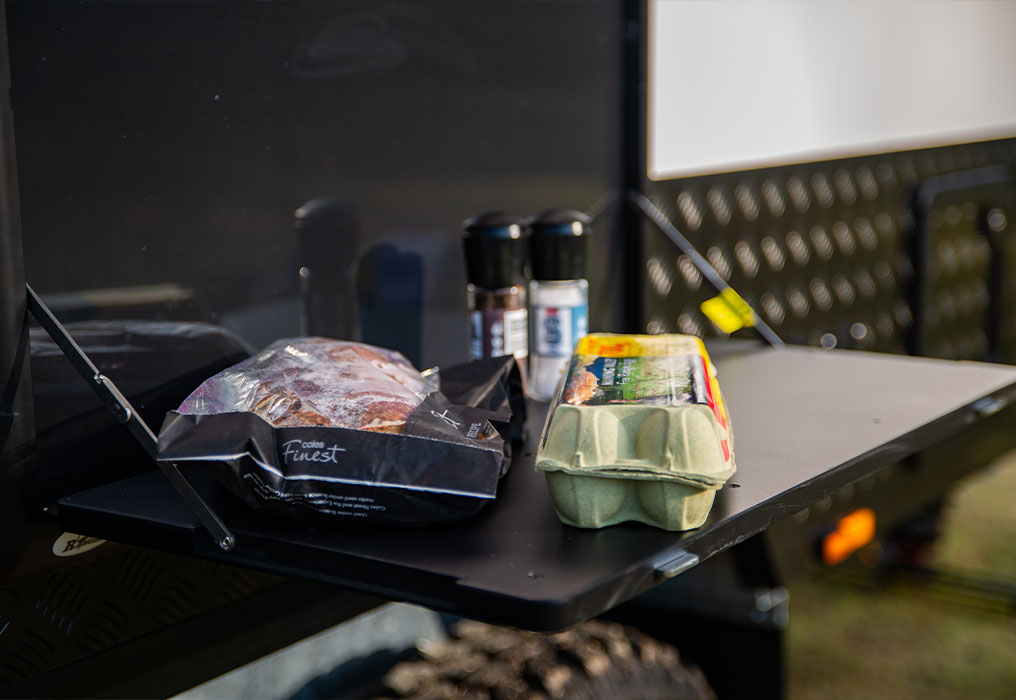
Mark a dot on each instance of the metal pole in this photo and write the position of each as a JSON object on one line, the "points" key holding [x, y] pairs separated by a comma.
{"points": [[17, 427], [628, 233]]}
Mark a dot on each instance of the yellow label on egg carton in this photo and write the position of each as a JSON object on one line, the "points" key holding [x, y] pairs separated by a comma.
{"points": [[639, 431]]}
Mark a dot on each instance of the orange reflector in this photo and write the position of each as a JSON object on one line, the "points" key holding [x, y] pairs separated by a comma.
{"points": [[852, 532]]}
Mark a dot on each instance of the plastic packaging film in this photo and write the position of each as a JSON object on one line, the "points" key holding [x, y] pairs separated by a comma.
{"points": [[316, 381]]}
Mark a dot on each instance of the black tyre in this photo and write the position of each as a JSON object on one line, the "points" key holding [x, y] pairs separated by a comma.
{"points": [[593, 661]]}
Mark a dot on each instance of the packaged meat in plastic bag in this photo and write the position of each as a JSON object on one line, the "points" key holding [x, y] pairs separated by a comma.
{"points": [[332, 430]]}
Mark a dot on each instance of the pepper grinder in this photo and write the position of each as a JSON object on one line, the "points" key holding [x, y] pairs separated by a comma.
{"points": [[496, 251]]}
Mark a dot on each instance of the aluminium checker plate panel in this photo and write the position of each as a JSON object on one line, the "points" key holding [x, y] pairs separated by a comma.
{"points": [[825, 252]]}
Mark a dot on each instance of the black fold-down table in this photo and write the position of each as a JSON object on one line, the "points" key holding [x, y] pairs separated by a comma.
{"points": [[806, 423]]}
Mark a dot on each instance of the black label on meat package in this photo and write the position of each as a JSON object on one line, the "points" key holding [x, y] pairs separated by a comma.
{"points": [[425, 462]]}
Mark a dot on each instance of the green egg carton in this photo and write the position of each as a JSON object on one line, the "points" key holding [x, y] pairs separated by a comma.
{"points": [[611, 464], [638, 432]]}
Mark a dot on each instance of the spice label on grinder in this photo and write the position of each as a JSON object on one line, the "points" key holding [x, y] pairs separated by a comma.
{"points": [[558, 327], [499, 332]]}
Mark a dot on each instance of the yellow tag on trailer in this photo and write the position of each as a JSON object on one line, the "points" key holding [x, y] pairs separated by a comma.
{"points": [[729, 311]]}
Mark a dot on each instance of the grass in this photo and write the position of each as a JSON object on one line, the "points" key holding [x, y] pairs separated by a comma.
{"points": [[854, 634]]}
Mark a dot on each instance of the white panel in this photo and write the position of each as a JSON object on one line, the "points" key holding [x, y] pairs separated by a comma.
{"points": [[737, 85]]}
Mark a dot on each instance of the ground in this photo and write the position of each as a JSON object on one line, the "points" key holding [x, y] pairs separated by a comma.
{"points": [[856, 634]]}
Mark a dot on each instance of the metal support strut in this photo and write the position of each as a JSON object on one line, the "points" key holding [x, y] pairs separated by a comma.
{"points": [[710, 274], [125, 413]]}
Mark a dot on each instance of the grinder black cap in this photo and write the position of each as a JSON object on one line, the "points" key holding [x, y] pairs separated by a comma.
{"points": [[558, 241], [495, 246]]}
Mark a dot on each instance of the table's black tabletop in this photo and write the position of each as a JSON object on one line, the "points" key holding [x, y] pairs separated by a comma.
{"points": [[806, 423]]}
